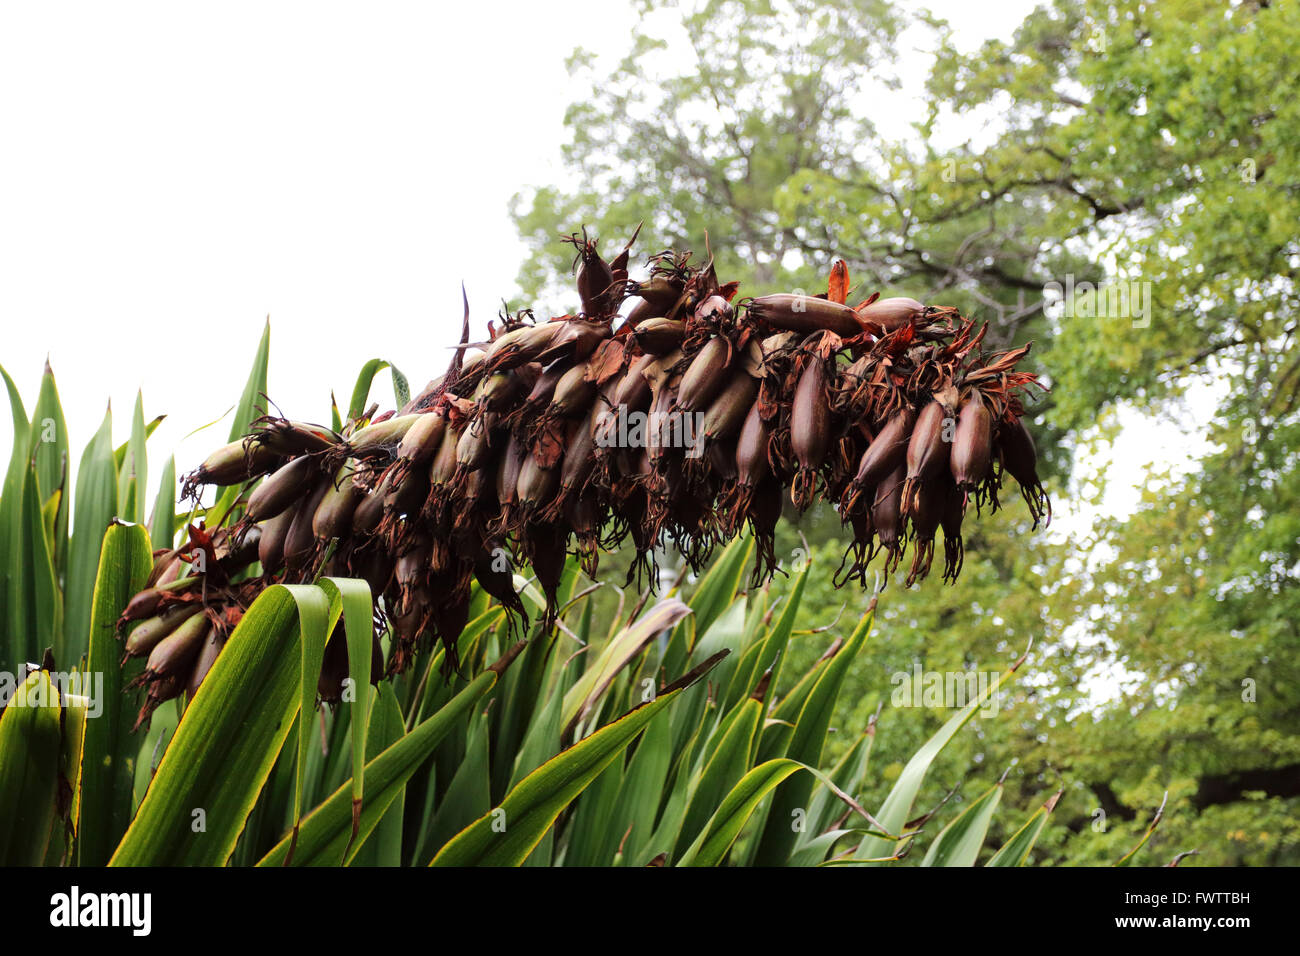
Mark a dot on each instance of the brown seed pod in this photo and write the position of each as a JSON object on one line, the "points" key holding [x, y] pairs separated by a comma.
{"points": [[500, 392], [929, 449], [291, 439], [282, 488], [519, 346], [809, 430], [633, 390], [492, 570], [660, 292], [370, 510], [595, 278], [954, 551], [887, 517], [270, 547], [577, 339], [334, 667], [300, 541], [972, 446], [473, 449], [207, 656], [418, 445], [659, 336], [715, 310], [890, 314], [573, 392], [508, 467], [333, 516], [805, 314], [158, 692], [1020, 459], [705, 376], [536, 484], [932, 497], [728, 411], [141, 606], [887, 451]]}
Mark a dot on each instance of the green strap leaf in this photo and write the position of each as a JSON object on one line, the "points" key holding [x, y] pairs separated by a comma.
{"points": [[805, 746], [735, 810], [724, 770], [959, 843], [897, 808], [252, 403], [384, 845], [326, 831], [232, 731], [108, 754], [1127, 858], [361, 391], [132, 472], [1016, 850], [49, 441], [162, 523], [95, 506], [13, 608], [506, 835], [30, 738], [351, 598]]}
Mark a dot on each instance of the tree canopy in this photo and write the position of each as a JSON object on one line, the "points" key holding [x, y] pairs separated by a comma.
{"points": [[1144, 148]]}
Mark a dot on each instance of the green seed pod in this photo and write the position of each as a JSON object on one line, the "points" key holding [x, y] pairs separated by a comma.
{"points": [[177, 651], [380, 437], [149, 632], [234, 464]]}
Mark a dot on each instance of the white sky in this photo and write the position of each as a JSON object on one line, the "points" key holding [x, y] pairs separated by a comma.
{"points": [[171, 175]]}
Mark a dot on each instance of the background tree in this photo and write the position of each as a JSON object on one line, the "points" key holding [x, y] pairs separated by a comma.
{"points": [[1147, 143]]}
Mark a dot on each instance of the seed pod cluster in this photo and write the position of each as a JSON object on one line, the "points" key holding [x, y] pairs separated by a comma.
{"points": [[663, 412]]}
